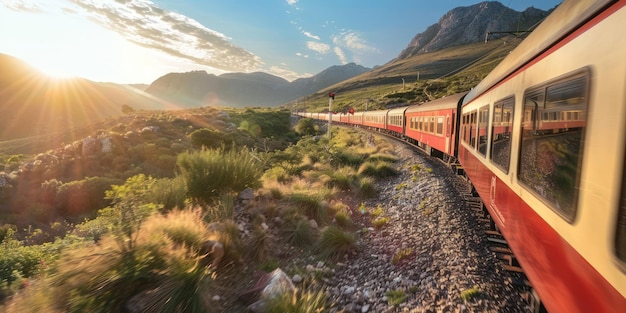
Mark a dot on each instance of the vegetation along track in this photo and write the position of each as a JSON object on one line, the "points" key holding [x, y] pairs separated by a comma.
{"points": [[433, 254]]}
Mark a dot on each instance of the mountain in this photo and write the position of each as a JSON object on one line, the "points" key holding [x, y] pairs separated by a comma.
{"points": [[33, 104], [465, 25], [198, 88]]}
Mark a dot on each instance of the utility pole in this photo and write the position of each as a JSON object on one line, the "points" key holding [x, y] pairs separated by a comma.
{"points": [[331, 97]]}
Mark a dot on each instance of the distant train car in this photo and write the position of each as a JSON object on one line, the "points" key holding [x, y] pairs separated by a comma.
{"points": [[344, 118], [395, 121], [375, 119], [432, 125], [356, 118], [543, 142]]}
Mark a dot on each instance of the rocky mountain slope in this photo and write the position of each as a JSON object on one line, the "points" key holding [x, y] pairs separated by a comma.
{"points": [[465, 25]]}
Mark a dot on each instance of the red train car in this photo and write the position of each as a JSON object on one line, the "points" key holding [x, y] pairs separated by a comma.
{"points": [[432, 125], [395, 121], [543, 141], [375, 119]]}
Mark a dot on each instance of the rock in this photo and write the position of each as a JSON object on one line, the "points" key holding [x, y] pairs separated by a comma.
{"points": [[313, 223], [296, 279], [216, 298], [246, 194]]}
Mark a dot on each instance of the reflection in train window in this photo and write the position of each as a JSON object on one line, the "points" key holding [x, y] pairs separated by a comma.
{"points": [[620, 239], [551, 146], [483, 122], [439, 125], [501, 133]]}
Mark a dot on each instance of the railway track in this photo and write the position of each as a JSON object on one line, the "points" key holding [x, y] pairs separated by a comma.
{"points": [[485, 224]]}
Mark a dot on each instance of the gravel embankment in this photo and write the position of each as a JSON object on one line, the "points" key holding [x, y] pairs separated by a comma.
{"points": [[448, 251]]}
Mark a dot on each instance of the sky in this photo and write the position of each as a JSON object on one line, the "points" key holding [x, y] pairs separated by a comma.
{"points": [[138, 41]]}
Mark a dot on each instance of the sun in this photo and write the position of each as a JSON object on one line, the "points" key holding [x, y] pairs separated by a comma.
{"points": [[55, 69]]}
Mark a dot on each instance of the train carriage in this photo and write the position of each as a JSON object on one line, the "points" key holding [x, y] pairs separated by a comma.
{"points": [[375, 119], [542, 141], [432, 125], [356, 118], [395, 121]]}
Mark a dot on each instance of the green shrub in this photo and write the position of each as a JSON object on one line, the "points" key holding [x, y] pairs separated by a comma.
{"points": [[380, 222], [342, 178], [310, 205], [377, 169], [343, 220], [401, 255], [395, 297], [210, 173], [298, 231], [335, 242], [470, 294], [382, 158], [367, 188], [306, 127], [300, 301], [348, 158], [169, 192]]}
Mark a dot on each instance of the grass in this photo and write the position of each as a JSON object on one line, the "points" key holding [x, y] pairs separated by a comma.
{"points": [[469, 294], [343, 220], [298, 232], [377, 169], [395, 297], [335, 243], [300, 301], [367, 188], [310, 205], [380, 222], [401, 255]]}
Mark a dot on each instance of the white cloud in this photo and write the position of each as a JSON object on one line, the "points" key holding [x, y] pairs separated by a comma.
{"points": [[311, 35], [341, 55], [353, 42], [306, 56], [292, 2], [147, 25], [318, 47], [287, 74]]}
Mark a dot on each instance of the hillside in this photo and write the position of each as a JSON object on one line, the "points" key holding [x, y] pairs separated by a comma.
{"points": [[198, 88], [32, 104]]}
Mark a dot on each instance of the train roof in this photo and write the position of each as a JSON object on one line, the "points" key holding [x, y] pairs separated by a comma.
{"points": [[565, 18], [448, 102], [376, 112], [398, 110]]}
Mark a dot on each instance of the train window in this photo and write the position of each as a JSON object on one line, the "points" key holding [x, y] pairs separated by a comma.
{"points": [[620, 238], [431, 125], [501, 131], [551, 148], [483, 122], [472, 129], [439, 125]]}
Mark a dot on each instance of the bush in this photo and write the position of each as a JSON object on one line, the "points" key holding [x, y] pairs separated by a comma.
{"points": [[335, 242], [395, 297], [310, 205], [367, 188], [301, 301], [210, 173], [83, 196], [298, 232], [377, 169], [306, 127], [169, 192]]}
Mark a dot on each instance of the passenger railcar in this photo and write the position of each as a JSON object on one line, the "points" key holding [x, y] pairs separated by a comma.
{"points": [[375, 119], [395, 121], [543, 138], [432, 125]]}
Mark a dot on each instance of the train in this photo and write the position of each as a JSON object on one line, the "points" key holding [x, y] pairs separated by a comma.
{"points": [[542, 139]]}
